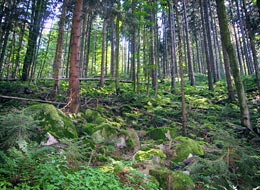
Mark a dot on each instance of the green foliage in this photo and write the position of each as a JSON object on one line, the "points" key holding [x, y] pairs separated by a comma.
{"points": [[77, 151], [17, 126]]}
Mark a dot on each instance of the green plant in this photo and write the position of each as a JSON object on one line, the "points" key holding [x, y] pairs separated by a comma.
{"points": [[17, 126]]}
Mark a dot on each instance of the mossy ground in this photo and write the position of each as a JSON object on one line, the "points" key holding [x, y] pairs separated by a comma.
{"points": [[225, 154]]}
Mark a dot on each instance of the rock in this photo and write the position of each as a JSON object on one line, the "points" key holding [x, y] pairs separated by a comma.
{"points": [[172, 180], [155, 155], [51, 140], [132, 140], [53, 120], [163, 133], [93, 116], [104, 133], [186, 146]]}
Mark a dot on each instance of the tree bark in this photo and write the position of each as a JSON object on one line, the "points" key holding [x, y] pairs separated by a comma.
{"points": [[73, 92], [58, 54], [210, 81], [190, 64], [226, 40], [184, 112], [117, 49], [34, 31], [104, 39], [172, 45]]}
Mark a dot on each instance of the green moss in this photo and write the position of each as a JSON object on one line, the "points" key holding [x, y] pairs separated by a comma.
{"points": [[93, 116], [159, 133], [53, 120], [132, 140], [172, 180], [104, 133], [89, 128], [148, 155], [185, 147]]}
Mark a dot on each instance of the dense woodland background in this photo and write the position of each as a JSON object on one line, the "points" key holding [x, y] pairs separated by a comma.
{"points": [[194, 63]]}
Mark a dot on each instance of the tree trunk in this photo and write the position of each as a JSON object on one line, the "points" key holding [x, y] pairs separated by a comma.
{"points": [[104, 39], [112, 64], [184, 112], [226, 40], [172, 45], [73, 92], [206, 45], [34, 31], [258, 5], [190, 64], [117, 49], [58, 54], [210, 47], [152, 49]]}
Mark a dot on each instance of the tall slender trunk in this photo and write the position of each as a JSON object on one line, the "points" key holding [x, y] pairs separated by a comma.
{"points": [[226, 40], [172, 45], [117, 30], [206, 45], [34, 31], [104, 39], [152, 50], [184, 112], [190, 64], [73, 91], [112, 64], [58, 54], [211, 68]]}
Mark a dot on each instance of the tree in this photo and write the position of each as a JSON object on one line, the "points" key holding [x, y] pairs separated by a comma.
{"points": [[58, 54], [104, 34], [206, 47], [190, 66], [172, 44], [225, 37], [37, 15], [73, 91], [183, 106], [117, 29]]}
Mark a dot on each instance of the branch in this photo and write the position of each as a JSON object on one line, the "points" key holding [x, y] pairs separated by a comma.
{"points": [[33, 100]]}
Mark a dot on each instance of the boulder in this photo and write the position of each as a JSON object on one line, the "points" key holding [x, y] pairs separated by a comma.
{"points": [[53, 120], [162, 133], [184, 147], [172, 180]]}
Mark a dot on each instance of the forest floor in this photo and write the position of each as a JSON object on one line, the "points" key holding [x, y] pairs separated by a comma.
{"points": [[127, 141]]}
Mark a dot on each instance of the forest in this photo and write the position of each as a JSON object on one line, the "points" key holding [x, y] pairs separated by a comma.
{"points": [[130, 94]]}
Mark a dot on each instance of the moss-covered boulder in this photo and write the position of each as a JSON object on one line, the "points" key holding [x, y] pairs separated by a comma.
{"points": [[172, 180], [53, 120], [162, 133], [152, 154], [186, 146], [93, 116], [132, 139], [104, 133]]}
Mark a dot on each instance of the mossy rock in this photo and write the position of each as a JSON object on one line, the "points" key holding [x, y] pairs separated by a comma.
{"points": [[104, 133], [132, 140], [53, 120], [185, 147], [172, 180], [141, 156], [93, 116], [160, 133]]}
